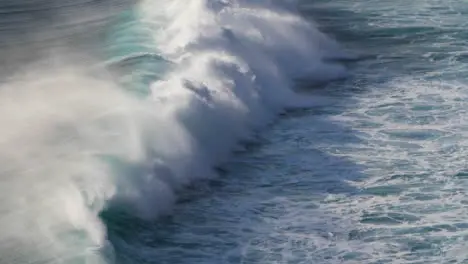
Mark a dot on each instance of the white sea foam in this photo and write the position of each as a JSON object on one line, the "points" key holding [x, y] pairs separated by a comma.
{"points": [[72, 144]]}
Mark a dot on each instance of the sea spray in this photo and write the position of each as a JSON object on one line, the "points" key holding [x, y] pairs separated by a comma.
{"points": [[74, 144]]}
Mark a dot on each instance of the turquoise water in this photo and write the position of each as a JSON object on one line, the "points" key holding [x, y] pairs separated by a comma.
{"points": [[376, 176], [234, 132]]}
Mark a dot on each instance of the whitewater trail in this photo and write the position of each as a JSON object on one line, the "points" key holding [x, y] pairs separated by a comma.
{"points": [[74, 141]]}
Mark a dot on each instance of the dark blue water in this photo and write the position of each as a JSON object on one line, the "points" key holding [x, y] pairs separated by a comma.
{"points": [[120, 120]]}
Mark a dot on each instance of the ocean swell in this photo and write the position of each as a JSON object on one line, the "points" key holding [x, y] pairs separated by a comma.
{"points": [[74, 142]]}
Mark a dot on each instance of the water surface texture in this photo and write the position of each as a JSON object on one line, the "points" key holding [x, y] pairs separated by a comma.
{"points": [[237, 131]]}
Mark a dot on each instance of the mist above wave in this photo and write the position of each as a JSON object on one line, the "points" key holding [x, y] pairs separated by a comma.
{"points": [[73, 143]]}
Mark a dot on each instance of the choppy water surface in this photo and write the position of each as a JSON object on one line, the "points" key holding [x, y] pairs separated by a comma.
{"points": [[115, 115], [378, 175]]}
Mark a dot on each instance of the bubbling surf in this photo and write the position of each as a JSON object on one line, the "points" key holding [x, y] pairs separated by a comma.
{"points": [[74, 142]]}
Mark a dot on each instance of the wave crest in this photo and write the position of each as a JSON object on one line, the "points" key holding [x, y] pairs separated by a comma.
{"points": [[74, 144]]}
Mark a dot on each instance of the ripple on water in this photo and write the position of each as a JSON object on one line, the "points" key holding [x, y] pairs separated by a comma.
{"points": [[420, 196], [414, 134], [389, 218], [411, 119], [385, 190]]}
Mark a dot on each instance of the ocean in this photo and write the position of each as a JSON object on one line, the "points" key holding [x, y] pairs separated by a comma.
{"points": [[233, 131]]}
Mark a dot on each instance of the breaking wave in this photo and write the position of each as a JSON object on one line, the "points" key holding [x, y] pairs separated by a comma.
{"points": [[183, 84]]}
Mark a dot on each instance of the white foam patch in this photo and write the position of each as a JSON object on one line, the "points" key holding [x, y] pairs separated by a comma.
{"points": [[408, 204], [72, 144], [387, 195], [412, 205]]}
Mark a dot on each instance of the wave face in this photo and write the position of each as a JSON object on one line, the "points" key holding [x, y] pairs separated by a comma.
{"points": [[120, 127]]}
